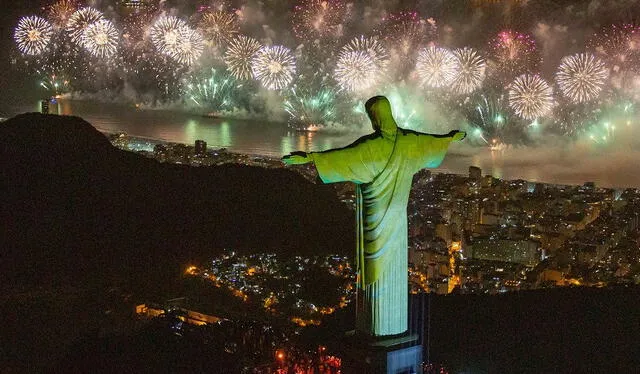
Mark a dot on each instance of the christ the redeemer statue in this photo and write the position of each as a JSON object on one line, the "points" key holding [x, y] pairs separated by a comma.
{"points": [[382, 166]]}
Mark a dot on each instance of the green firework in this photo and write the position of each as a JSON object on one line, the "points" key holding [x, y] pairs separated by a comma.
{"points": [[213, 90], [310, 108]]}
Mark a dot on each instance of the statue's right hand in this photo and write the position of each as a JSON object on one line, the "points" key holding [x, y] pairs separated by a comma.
{"points": [[296, 158], [457, 135]]}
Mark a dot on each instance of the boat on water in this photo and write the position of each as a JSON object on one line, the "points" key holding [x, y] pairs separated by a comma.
{"points": [[305, 127]]}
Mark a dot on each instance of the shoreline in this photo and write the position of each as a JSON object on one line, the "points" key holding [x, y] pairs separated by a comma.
{"points": [[266, 157], [613, 167]]}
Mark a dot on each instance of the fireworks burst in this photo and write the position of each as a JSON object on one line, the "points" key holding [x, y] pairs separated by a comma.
{"points": [[619, 47], [514, 52], [189, 46], [314, 19], [469, 70], [101, 38], [33, 35], [165, 34], [56, 85], [405, 32], [355, 71], [436, 66], [602, 133], [61, 59], [148, 71], [618, 44], [60, 12], [530, 96], [569, 119], [581, 77], [239, 54], [80, 20], [373, 48], [218, 27], [360, 64], [612, 117], [136, 21], [215, 5], [488, 118], [310, 108], [214, 91], [580, 120], [274, 66], [172, 37]]}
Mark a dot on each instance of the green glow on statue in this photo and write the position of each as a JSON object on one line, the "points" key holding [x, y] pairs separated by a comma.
{"points": [[382, 166]]}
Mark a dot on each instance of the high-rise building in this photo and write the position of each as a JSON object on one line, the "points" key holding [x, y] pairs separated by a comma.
{"points": [[475, 173], [44, 106], [200, 147]]}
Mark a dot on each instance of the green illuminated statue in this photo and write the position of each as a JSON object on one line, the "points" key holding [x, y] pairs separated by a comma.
{"points": [[382, 166]]}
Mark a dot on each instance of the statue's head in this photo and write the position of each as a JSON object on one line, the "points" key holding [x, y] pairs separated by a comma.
{"points": [[379, 110]]}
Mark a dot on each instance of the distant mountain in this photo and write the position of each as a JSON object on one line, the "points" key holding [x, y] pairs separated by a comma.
{"points": [[75, 208]]}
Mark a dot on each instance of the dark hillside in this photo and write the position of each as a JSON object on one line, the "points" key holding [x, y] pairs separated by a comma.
{"points": [[76, 208]]}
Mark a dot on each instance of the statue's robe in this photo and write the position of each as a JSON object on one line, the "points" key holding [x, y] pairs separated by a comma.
{"points": [[382, 166]]}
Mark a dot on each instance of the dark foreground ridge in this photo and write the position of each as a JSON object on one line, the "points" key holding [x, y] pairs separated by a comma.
{"points": [[562, 330], [86, 228], [74, 206]]}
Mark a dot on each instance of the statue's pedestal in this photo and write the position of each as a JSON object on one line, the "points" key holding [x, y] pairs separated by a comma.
{"points": [[393, 355]]}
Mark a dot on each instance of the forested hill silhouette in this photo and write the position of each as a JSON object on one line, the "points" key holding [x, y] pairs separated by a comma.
{"points": [[75, 206]]}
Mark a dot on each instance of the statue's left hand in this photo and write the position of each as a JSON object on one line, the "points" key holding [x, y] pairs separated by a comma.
{"points": [[296, 158]]}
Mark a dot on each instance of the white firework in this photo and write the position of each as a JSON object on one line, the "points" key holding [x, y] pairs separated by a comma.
{"points": [[101, 38], [80, 20], [436, 67], [373, 48], [361, 64], [581, 77], [274, 67], [469, 71], [188, 47], [165, 34], [355, 71], [239, 54], [530, 96], [32, 35]]}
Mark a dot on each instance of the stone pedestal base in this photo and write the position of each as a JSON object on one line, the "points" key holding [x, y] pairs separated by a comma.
{"points": [[398, 355]]}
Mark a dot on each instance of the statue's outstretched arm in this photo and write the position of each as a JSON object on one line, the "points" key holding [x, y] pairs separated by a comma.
{"points": [[297, 158], [457, 135], [433, 148], [347, 164]]}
